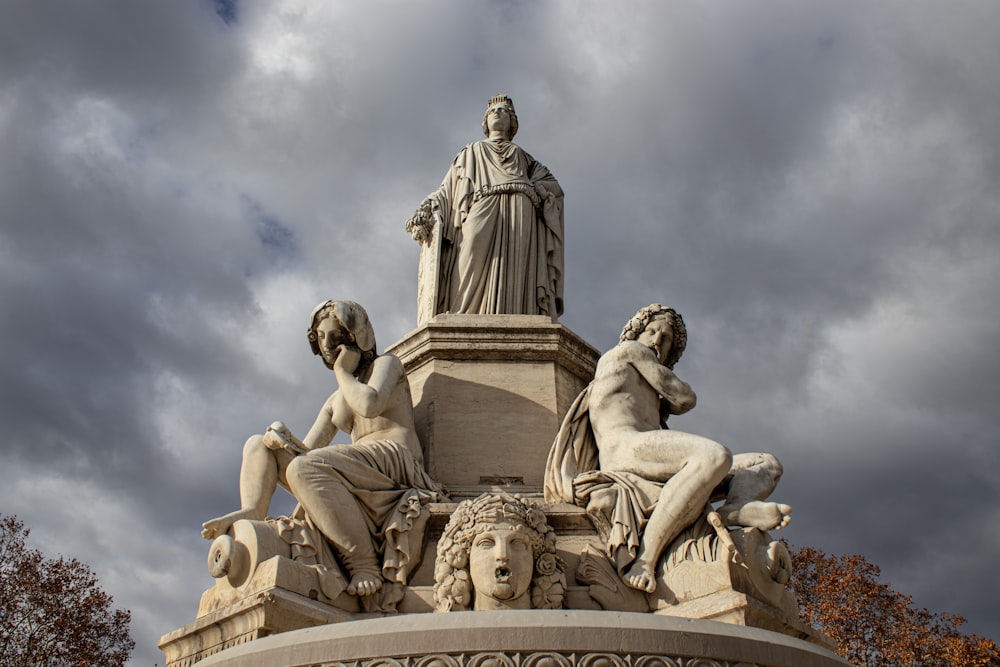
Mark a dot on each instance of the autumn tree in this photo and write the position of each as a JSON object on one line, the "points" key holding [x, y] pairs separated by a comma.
{"points": [[875, 626], [52, 612]]}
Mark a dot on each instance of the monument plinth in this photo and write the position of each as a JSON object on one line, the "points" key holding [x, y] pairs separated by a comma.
{"points": [[489, 393], [535, 638]]}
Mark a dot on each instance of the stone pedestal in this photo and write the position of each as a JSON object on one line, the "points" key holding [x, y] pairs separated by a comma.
{"points": [[533, 638], [489, 393], [265, 613], [280, 597]]}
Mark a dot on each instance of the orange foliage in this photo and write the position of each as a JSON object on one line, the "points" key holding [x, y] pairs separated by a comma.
{"points": [[875, 626], [52, 611]]}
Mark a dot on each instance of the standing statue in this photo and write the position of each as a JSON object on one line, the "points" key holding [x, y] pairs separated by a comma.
{"points": [[493, 550], [492, 234], [361, 497], [615, 455]]}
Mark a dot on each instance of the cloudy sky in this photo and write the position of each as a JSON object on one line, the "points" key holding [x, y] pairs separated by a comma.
{"points": [[814, 185]]}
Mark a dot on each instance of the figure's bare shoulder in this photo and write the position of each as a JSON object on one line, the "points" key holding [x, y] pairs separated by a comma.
{"points": [[388, 359], [388, 380], [619, 367], [388, 365], [633, 349], [627, 352]]}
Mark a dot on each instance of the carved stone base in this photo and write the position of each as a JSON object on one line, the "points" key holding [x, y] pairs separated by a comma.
{"points": [[733, 576], [275, 597], [533, 638], [489, 393], [275, 573], [737, 608], [267, 613]]}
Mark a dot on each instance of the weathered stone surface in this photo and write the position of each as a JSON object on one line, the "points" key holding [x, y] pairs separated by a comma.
{"points": [[489, 392], [528, 638], [260, 562], [267, 613], [701, 578], [716, 590]]}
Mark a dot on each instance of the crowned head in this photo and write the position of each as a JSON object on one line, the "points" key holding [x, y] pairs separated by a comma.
{"points": [[508, 123]]}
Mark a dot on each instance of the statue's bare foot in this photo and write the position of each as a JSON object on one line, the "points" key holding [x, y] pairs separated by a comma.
{"points": [[213, 528], [757, 514], [641, 575], [364, 583]]}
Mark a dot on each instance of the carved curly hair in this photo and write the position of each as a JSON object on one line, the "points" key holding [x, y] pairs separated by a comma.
{"points": [[642, 319], [453, 589]]}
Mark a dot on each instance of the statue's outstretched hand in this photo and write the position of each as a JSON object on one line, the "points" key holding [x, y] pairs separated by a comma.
{"points": [[278, 436]]}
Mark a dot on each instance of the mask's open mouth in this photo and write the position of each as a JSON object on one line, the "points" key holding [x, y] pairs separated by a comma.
{"points": [[502, 574]]}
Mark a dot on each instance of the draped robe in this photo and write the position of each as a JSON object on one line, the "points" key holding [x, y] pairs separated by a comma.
{"points": [[502, 215]]}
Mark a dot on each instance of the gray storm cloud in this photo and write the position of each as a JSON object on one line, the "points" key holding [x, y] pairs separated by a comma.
{"points": [[812, 185]]}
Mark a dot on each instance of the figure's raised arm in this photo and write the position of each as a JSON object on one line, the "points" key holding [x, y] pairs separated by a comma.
{"points": [[368, 399], [653, 341], [675, 393]]}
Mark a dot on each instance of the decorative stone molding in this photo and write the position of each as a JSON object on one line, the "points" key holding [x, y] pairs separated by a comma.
{"points": [[539, 659], [528, 638]]}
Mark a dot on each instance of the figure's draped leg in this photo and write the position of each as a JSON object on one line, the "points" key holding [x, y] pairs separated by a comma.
{"points": [[495, 263], [518, 278], [683, 497], [693, 466], [497, 266], [322, 482], [476, 264]]}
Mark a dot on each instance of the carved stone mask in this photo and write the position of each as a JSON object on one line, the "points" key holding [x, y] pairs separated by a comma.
{"points": [[501, 565]]}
